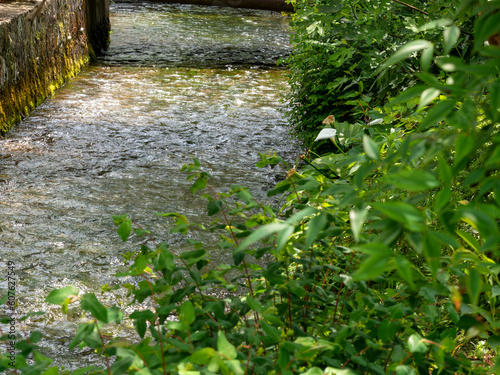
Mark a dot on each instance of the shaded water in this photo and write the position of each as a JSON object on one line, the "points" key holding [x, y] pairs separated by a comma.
{"points": [[178, 81]]}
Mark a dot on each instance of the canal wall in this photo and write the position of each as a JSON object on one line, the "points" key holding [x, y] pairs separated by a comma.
{"points": [[277, 5], [43, 46]]}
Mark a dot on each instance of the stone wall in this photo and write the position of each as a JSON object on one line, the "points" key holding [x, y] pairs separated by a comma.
{"points": [[39, 52]]}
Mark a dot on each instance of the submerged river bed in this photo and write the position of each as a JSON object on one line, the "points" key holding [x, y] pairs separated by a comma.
{"points": [[179, 81]]}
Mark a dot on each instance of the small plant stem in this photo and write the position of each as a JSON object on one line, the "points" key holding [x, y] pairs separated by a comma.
{"points": [[147, 234], [289, 299], [412, 7], [104, 346], [190, 342], [295, 190], [355, 355], [389, 357], [337, 303], [248, 358], [228, 223], [157, 324]]}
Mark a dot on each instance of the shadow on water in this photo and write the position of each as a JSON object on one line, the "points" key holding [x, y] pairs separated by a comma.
{"points": [[178, 81]]}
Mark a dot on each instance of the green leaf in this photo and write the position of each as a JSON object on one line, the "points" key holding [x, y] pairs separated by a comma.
{"points": [[295, 288], [427, 96], [486, 26], [408, 95], [403, 213], [376, 263], [186, 313], [118, 219], [432, 252], [255, 305], [357, 218], [474, 286], [314, 371], [494, 341], [415, 180], [494, 98], [469, 239], [281, 187], [415, 344], [177, 326], [404, 268], [426, 58], [203, 356], [261, 233], [437, 113], [273, 333], [371, 148], [283, 236], [404, 52], [234, 367], [387, 330], [90, 303], [58, 296], [441, 22], [214, 206], [224, 347], [314, 228], [450, 38], [121, 365], [193, 254], [444, 170], [450, 308], [442, 199], [493, 161], [125, 229], [140, 326], [405, 370], [83, 371], [199, 184]]}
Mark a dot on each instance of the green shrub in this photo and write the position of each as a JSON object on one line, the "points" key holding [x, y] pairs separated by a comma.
{"points": [[337, 47]]}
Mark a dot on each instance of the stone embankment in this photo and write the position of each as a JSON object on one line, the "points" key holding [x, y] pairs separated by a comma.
{"points": [[41, 46]]}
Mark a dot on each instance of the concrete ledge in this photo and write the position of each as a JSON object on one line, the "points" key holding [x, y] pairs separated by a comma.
{"points": [[38, 53]]}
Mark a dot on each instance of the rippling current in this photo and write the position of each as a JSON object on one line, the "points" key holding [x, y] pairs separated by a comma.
{"points": [[178, 81]]}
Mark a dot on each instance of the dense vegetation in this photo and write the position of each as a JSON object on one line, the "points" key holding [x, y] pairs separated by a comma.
{"points": [[382, 256]]}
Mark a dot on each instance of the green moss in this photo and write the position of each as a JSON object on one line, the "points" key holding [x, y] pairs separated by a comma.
{"points": [[21, 99]]}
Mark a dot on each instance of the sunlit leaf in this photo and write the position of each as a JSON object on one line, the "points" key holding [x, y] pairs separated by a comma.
{"points": [[405, 51], [450, 38], [427, 96], [415, 344], [58, 296], [415, 180], [224, 347], [371, 148], [357, 218], [474, 285], [125, 229]]}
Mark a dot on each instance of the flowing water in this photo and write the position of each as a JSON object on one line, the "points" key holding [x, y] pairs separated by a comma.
{"points": [[179, 81]]}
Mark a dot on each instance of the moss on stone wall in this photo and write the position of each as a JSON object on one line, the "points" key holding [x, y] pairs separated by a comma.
{"points": [[38, 56]]}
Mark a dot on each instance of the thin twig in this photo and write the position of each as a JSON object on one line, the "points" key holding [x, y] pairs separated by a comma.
{"points": [[412, 7]]}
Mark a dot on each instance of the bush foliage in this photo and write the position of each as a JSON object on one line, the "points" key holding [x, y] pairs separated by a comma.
{"points": [[381, 258], [338, 46]]}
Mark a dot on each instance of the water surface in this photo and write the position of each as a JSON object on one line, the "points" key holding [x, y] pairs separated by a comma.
{"points": [[179, 81]]}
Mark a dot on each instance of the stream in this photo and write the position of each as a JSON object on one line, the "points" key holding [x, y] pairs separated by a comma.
{"points": [[178, 81]]}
